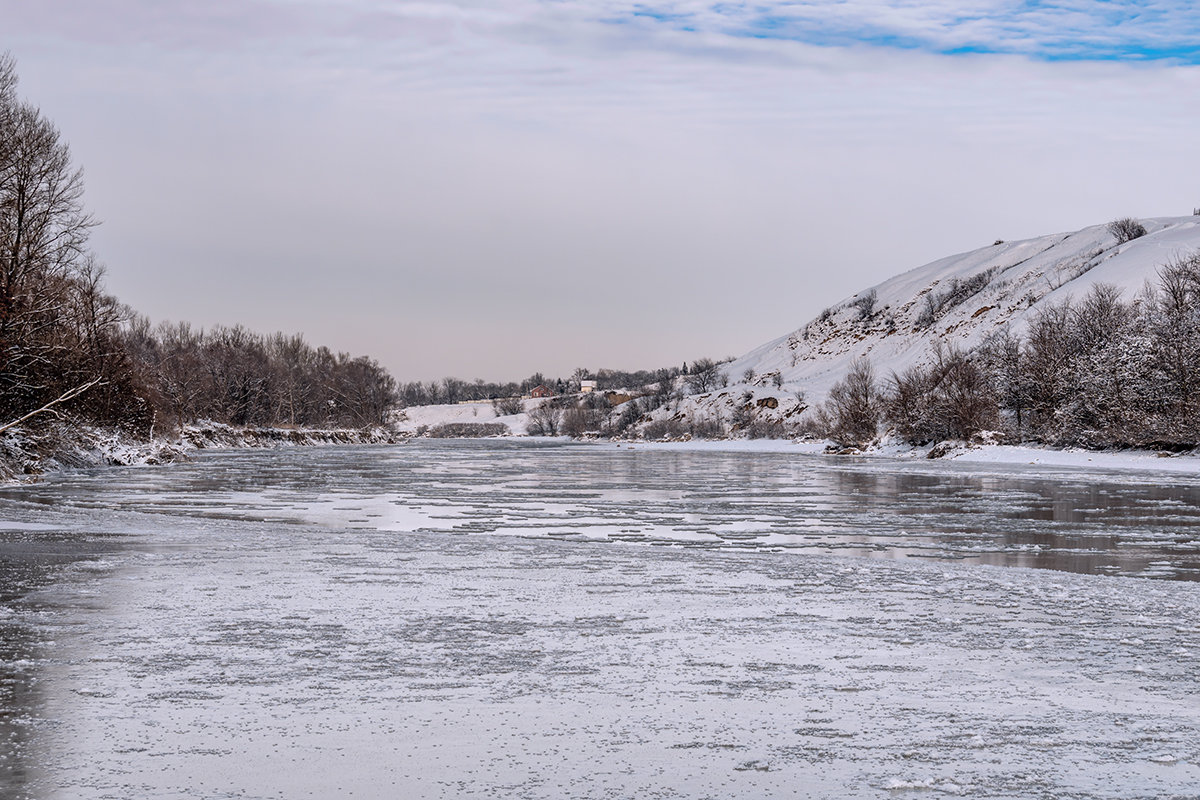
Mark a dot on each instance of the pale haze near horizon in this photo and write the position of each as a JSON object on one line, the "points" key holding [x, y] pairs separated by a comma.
{"points": [[496, 188]]}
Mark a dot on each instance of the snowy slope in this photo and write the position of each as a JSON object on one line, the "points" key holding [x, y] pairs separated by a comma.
{"points": [[1004, 284]]}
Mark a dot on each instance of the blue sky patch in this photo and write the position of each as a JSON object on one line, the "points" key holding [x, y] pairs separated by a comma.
{"points": [[1067, 30]]}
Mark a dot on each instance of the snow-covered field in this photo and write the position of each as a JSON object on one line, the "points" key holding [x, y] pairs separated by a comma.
{"points": [[414, 418], [469, 619]]}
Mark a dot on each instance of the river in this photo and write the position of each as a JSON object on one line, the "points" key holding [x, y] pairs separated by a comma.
{"points": [[552, 620]]}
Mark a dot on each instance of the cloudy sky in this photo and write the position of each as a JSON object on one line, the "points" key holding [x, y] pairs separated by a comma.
{"points": [[485, 188]]}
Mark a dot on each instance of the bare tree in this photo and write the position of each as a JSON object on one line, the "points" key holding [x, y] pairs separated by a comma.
{"points": [[704, 376], [1004, 359], [853, 407], [43, 266]]}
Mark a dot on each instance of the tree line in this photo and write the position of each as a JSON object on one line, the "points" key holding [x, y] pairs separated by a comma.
{"points": [[66, 346], [703, 375], [1100, 371]]}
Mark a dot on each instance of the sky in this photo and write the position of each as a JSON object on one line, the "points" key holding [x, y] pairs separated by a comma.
{"points": [[489, 188]]}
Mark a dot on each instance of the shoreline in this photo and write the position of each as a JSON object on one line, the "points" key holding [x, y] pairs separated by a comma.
{"points": [[76, 446], [29, 455], [1187, 463]]}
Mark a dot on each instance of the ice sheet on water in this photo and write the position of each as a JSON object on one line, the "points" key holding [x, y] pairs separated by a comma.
{"points": [[753, 501], [265, 658], [222, 654]]}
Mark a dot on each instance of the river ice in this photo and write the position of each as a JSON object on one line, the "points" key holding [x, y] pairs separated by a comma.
{"points": [[155, 647]]}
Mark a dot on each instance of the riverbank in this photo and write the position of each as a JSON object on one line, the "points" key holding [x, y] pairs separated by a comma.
{"points": [[27, 453], [419, 420], [999, 454]]}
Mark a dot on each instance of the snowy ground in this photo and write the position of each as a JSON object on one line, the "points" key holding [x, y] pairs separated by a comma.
{"points": [[1142, 461], [176, 641], [414, 418]]}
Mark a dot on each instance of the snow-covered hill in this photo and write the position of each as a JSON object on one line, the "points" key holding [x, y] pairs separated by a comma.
{"points": [[958, 300]]}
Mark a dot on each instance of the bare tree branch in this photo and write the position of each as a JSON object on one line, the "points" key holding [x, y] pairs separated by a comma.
{"points": [[66, 396]]}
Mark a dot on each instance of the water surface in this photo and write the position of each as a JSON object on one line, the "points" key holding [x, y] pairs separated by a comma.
{"points": [[565, 622], [1094, 521]]}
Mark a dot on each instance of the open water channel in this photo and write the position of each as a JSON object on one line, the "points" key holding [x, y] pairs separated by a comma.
{"points": [[550, 620]]}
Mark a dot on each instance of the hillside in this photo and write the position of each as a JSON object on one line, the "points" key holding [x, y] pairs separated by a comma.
{"points": [[958, 300], [1122, 373]]}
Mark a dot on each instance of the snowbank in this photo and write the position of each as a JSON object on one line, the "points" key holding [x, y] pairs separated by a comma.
{"points": [[28, 453], [1013, 455], [418, 418]]}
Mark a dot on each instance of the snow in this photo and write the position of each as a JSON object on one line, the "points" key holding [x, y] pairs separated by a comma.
{"points": [[413, 418], [1142, 461], [1125, 460]]}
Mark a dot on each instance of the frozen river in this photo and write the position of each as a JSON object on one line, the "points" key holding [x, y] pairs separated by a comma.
{"points": [[514, 619]]}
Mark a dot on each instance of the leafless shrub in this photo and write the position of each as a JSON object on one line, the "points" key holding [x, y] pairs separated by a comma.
{"points": [[581, 420], [507, 406], [706, 428], [952, 398], [664, 429], [1126, 229], [865, 303], [812, 425], [763, 427], [545, 420]]}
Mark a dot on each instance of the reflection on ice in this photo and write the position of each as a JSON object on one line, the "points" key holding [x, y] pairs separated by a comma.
{"points": [[1100, 523]]}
